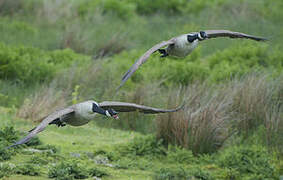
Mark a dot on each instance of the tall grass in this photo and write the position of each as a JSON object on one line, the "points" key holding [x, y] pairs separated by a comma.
{"points": [[215, 113], [42, 103]]}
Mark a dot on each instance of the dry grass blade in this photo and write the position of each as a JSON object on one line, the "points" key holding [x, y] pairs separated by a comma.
{"points": [[42, 103], [213, 114]]}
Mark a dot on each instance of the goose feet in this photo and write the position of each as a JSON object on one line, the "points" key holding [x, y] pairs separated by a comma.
{"points": [[58, 123], [163, 52]]}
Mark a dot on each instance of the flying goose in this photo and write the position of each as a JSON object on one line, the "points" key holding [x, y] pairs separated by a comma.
{"points": [[81, 113], [183, 45]]}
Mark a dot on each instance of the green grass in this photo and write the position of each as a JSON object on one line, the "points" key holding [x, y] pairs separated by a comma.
{"points": [[119, 146], [53, 54]]}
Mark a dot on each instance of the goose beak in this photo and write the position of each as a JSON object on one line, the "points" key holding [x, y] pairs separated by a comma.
{"points": [[115, 116]]}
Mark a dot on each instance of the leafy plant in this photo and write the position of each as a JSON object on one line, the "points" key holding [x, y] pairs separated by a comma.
{"points": [[6, 169], [143, 146], [67, 170], [29, 64], [97, 172], [27, 169], [180, 155], [249, 160], [4, 153], [171, 174]]}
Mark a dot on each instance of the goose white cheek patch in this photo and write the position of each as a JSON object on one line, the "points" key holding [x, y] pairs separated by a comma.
{"points": [[199, 36], [107, 113]]}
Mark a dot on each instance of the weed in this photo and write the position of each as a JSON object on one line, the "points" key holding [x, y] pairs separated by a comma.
{"points": [[143, 146], [248, 160], [5, 154], [39, 160], [8, 134], [180, 155], [171, 174], [6, 169], [97, 172], [67, 170], [27, 169]]}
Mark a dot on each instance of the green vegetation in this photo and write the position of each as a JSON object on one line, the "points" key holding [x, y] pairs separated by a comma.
{"points": [[57, 53]]}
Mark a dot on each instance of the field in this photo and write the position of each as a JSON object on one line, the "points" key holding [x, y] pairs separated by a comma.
{"points": [[55, 53]]}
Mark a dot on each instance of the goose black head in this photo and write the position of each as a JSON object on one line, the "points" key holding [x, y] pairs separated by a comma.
{"points": [[202, 36], [192, 37], [109, 112], [112, 113]]}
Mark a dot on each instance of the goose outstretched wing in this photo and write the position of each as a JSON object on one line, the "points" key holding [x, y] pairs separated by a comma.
{"points": [[43, 124], [131, 107], [142, 59], [231, 34]]}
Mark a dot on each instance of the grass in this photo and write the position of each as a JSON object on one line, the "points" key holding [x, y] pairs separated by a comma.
{"points": [[230, 114], [205, 126], [215, 113]]}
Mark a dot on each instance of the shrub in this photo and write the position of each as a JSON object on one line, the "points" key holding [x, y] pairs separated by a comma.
{"points": [[27, 169], [171, 174], [67, 170], [97, 172], [239, 60], [175, 173], [48, 147], [122, 9], [4, 153], [248, 160], [6, 169], [150, 7], [8, 134], [32, 65], [39, 160], [134, 163], [180, 155], [34, 142], [143, 146]]}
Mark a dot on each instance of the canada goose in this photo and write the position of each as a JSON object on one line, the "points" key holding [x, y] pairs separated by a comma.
{"points": [[81, 113], [183, 45]]}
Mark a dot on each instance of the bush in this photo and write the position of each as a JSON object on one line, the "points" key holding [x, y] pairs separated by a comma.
{"points": [[28, 169], [17, 6], [180, 155], [134, 163], [5, 154], [38, 159], [67, 170], [143, 146], [248, 160], [30, 65], [6, 169], [239, 60], [8, 134], [97, 172], [175, 173], [34, 142], [171, 174]]}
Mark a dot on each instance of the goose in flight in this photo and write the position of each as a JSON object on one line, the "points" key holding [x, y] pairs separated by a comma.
{"points": [[81, 113], [183, 45]]}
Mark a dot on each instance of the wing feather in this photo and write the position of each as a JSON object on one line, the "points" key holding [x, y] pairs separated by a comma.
{"points": [[43, 124], [131, 107], [142, 59], [231, 34]]}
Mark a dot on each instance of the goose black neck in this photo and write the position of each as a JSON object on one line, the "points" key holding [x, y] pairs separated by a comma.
{"points": [[98, 109], [192, 37]]}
